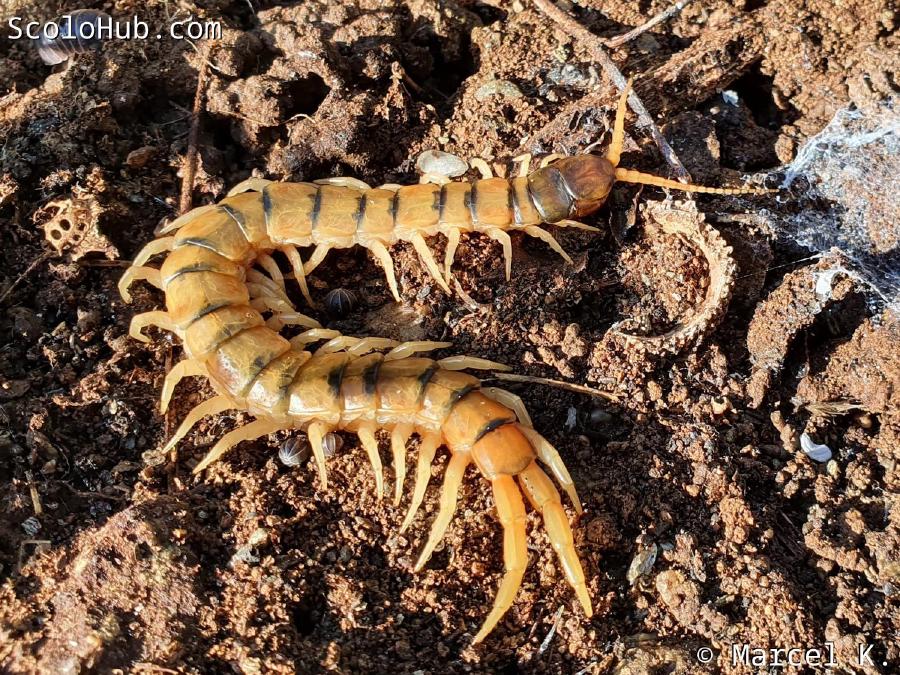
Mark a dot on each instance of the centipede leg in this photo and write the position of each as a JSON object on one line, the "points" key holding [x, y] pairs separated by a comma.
{"points": [[482, 167], [186, 218], [293, 257], [549, 159], [407, 349], [366, 345], [543, 235], [473, 362], [511, 512], [313, 335], [268, 263], [524, 162], [356, 346], [155, 247], [212, 406], [344, 181], [510, 400], [248, 432], [252, 184], [366, 433], [551, 458], [270, 285], [536, 483], [268, 303], [384, 257], [132, 274], [141, 321], [424, 252], [430, 443], [182, 369], [295, 319], [453, 478], [399, 436], [318, 255], [503, 239], [450, 251], [576, 225], [433, 178], [316, 432]]}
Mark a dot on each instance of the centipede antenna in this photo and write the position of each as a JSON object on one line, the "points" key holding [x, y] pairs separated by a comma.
{"points": [[618, 138], [631, 176]]}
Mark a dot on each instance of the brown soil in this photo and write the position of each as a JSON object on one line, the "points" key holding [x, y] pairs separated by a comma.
{"points": [[112, 557]]}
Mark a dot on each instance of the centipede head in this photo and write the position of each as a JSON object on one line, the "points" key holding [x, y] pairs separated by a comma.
{"points": [[589, 179]]}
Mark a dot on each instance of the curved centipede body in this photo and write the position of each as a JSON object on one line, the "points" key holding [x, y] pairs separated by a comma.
{"points": [[215, 303], [229, 314], [343, 212]]}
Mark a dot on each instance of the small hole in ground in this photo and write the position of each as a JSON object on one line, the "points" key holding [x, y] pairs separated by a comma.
{"points": [[305, 616], [755, 90], [303, 96]]}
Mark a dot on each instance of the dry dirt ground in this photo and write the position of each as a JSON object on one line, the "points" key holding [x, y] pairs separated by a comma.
{"points": [[705, 525]]}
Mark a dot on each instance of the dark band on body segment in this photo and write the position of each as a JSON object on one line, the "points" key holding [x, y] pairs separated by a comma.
{"points": [[513, 201], [202, 242], [442, 202], [188, 269], [459, 394], [335, 377], [207, 310], [316, 208], [395, 206], [490, 426], [425, 378], [360, 210], [472, 202], [267, 206], [370, 378]]}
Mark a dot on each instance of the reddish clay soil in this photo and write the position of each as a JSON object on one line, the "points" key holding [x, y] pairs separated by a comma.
{"points": [[705, 523]]}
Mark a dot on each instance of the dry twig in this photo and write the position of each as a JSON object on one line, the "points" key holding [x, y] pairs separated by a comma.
{"points": [[665, 15], [595, 44], [31, 268], [189, 170]]}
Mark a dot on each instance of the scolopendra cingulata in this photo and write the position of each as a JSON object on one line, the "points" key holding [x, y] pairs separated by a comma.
{"points": [[216, 299], [344, 212]]}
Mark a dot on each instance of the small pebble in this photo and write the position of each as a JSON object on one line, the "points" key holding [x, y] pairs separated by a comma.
{"points": [[642, 563], [441, 163], [141, 157], [815, 451], [497, 88]]}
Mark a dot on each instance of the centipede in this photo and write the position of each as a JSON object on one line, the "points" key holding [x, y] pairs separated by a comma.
{"points": [[226, 300], [342, 212]]}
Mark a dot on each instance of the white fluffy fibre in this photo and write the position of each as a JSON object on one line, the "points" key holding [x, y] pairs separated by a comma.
{"points": [[852, 168]]}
